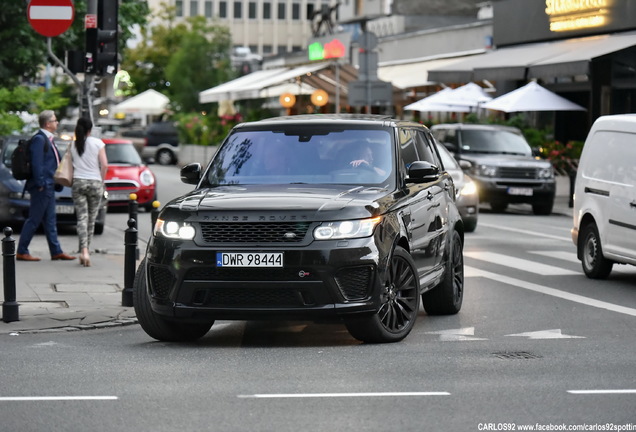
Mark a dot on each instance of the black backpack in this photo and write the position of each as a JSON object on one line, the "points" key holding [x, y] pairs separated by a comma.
{"points": [[21, 160]]}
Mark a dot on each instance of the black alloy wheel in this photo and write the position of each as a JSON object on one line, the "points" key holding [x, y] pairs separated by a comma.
{"points": [[447, 297], [399, 304], [156, 326]]}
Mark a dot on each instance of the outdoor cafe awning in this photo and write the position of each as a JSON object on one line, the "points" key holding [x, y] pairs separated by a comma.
{"points": [[255, 84], [538, 60]]}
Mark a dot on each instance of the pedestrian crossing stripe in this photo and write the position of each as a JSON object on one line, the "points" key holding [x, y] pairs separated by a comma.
{"points": [[475, 272], [521, 264]]}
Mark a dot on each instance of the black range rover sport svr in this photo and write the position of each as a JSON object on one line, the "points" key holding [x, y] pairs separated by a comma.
{"points": [[325, 217]]}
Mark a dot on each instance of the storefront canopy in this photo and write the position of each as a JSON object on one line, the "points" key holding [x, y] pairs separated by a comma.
{"points": [[414, 73], [256, 84], [538, 60]]}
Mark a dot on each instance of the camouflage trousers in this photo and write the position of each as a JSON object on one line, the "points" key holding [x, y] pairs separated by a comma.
{"points": [[87, 196]]}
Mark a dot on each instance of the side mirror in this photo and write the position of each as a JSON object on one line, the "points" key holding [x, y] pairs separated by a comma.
{"points": [[422, 172], [465, 165], [191, 173]]}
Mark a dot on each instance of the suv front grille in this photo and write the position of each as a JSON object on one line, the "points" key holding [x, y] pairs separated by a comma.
{"points": [[517, 173], [209, 273], [265, 232]]}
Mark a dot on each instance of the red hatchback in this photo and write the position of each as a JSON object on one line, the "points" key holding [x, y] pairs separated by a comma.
{"points": [[128, 174]]}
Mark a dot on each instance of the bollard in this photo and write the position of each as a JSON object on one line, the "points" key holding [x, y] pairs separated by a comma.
{"points": [[133, 207], [10, 306], [154, 213], [130, 262]]}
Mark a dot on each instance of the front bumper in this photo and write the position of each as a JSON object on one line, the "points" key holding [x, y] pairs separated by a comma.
{"points": [[322, 280], [514, 192]]}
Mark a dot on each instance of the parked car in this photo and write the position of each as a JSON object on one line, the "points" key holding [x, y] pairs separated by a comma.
{"points": [[604, 213], [467, 197], [15, 201], [501, 164], [293, 219], [128, 174], [160, 142]]}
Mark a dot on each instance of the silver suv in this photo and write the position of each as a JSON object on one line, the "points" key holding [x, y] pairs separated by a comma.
{"points": [[500, 161]]}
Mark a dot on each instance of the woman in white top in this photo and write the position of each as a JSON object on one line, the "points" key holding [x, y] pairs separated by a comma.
{"points": [[89, 170]]}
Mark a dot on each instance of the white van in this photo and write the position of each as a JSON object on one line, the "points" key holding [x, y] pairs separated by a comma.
{"points": [[604, 213]]}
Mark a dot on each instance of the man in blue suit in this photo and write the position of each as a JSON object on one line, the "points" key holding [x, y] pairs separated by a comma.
{"points": [[44, 160]]}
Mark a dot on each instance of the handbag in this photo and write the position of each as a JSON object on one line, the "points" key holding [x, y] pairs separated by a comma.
{"points": [[64, 172]]}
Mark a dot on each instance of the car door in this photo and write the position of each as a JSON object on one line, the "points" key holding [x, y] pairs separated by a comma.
{"points": [[621, 206], [423, 224]]}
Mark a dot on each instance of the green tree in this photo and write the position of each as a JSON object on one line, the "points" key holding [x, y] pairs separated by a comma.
{"points": [[180, 58], [201, 61], [23, 64]]}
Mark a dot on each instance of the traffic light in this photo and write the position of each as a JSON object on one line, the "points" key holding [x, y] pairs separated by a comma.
{"points": [[101, 42]]}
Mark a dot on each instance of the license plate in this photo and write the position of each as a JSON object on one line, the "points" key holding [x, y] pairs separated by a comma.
{"points": [[64, 209], [118, 196], [249, 259], [520, 191]]}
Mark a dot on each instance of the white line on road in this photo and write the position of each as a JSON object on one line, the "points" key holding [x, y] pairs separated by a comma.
{"points": [[473, 272], [625, 391], [530, 233], [337, 395], [520, 264], [55, 398]]}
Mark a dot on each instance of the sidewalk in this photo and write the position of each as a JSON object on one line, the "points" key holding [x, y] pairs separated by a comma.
{"points": [[64, 296]]}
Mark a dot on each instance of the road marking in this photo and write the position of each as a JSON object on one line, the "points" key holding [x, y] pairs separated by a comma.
{"points": [[520, 264], [460, 334], [571, 257], [337, 395], [55, 398], [530, 233], [474, 272], [546, 334], [625, 391]]}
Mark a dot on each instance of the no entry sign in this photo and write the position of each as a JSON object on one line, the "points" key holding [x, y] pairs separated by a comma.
{"points": [[50, 17]]}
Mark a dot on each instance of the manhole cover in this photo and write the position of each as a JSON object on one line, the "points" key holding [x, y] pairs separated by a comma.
{"points": [[516, 355]]}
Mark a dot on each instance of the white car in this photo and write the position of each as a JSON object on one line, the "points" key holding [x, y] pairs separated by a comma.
{"points": [[604, 230]]}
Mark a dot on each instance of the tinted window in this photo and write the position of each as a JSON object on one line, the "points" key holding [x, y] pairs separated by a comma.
{"points": [[295, 156], [494, 141]]}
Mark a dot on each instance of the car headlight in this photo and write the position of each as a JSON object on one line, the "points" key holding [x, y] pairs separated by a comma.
{"points": [[470, 188], [546, 173], [486, 170], [146, 178], [174, 230], [346, 229]]}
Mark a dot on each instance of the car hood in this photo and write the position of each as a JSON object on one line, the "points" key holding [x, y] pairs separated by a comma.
{"points": [[116, 172], [302, 202], [518, 161]]}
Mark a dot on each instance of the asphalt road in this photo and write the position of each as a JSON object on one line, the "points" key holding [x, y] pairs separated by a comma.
{"points": [[536, 343]]}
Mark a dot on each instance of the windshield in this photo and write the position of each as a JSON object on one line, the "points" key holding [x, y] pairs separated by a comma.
{"points": [[122, 154], [307, 156], [494, 141]]}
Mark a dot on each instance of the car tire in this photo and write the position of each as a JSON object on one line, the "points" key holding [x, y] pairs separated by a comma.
{"points": [[447, 297], [156, 326], [470, 225], [399, 306], [164, 157], [595, 265], [543, 209]]}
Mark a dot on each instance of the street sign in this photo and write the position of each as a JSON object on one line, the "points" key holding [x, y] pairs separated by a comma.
{"points": [[50, 17]]}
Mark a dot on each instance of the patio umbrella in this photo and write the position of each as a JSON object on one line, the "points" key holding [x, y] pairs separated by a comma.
{"points": [[532, 97], [462, 99]]}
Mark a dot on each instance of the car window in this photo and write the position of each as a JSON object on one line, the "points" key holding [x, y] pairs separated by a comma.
{"points": [[408, 152], [494, 141], [424, 150], [298, 156], [122, 154], [448, 161]]}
